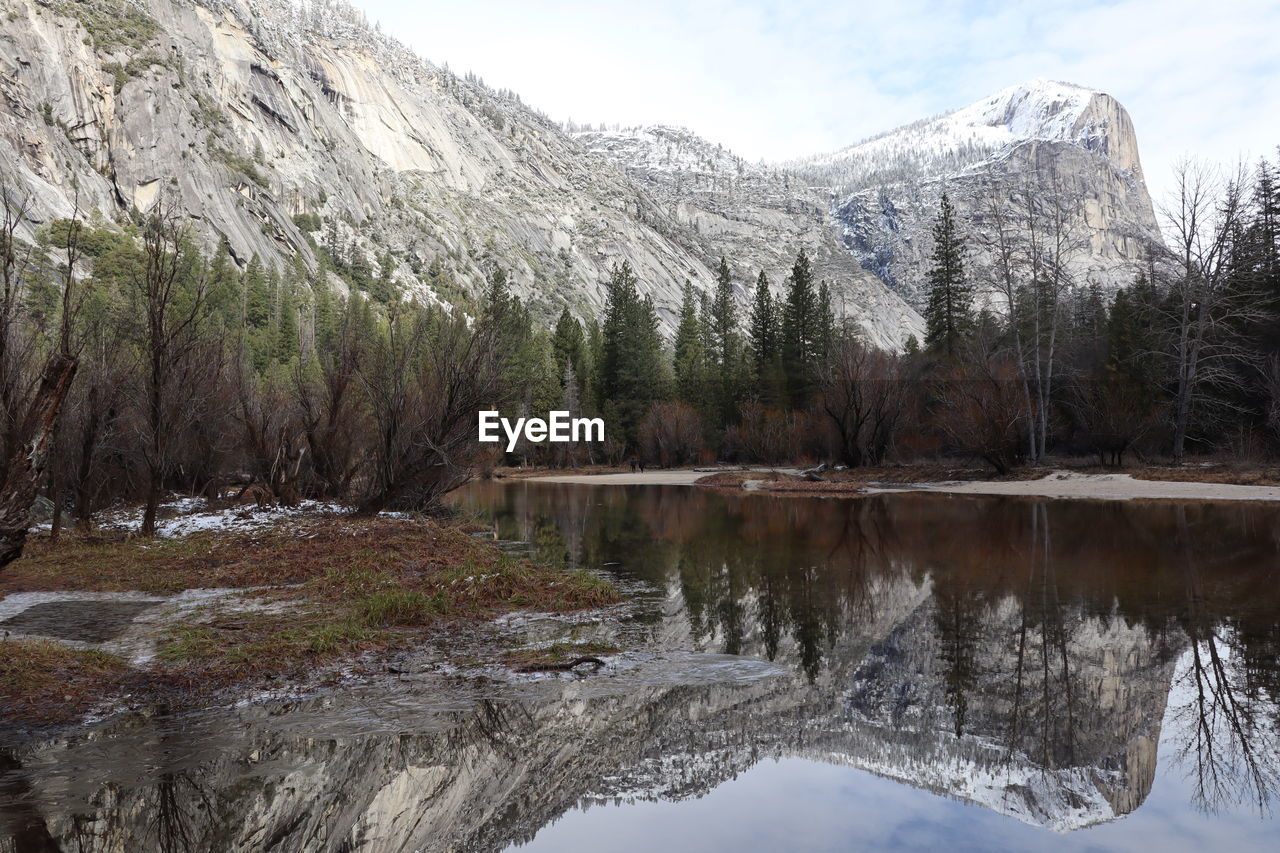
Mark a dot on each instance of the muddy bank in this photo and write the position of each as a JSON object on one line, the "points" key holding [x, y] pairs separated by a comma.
{"points": [[92, 624]]}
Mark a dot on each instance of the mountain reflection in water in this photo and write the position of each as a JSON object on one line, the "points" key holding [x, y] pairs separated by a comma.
{"points": [[1053, 662]]}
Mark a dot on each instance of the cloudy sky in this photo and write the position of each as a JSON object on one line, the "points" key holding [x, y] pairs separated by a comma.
{"points": [[783, 79]]}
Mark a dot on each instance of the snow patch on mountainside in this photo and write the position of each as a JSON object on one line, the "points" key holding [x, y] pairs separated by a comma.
{"points": [[666, 148], [1038, 109]]}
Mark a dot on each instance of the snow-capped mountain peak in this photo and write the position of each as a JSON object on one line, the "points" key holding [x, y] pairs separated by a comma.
{"points": [[1039, 109]]}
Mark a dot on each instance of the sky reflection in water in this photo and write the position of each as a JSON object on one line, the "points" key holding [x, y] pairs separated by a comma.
{"points": [[1190, 587], [908, 672]]}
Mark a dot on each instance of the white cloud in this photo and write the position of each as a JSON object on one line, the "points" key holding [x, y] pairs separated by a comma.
{"points": [[783, 79]]}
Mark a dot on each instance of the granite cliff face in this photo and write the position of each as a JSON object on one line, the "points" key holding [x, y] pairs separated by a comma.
{"points": [[251, 112], [262, 118], [755, 215], [284, 126], [877, 200], [1024, 149]]}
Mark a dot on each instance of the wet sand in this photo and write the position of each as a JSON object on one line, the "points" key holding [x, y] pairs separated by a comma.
{"points": [[1059, 484], [639, 478], [661, 477]]}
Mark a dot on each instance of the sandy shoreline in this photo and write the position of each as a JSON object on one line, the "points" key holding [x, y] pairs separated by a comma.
{"points": [[1066, 484], [1059, 484], [663, 477]]}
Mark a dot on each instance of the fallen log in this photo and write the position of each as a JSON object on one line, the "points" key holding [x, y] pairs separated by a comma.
{"points": [[561, 667]]}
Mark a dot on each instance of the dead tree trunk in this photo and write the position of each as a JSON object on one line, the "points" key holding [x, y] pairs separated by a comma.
{"points": [[25, 468]]}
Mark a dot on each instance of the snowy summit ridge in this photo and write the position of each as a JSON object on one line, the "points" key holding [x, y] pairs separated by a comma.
{"points": [[878, 197], [1038, 109]]}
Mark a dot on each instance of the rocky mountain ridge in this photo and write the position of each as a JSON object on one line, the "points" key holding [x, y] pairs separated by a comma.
{"points": [[1031, 142], [756, 216], [291, 128], [1024, 154]]}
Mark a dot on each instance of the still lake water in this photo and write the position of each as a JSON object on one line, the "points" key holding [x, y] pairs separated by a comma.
{"points": [[905, 672]]}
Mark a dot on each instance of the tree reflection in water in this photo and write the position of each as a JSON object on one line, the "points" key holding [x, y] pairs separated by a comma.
{"points": [[1227, 707], [1026, 599], [1024, 655]]}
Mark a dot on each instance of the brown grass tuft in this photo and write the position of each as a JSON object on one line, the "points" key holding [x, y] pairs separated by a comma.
{"points": [[44, 681]]}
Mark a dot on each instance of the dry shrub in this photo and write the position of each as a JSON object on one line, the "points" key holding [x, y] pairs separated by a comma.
{"points": [[671, 434], [979, 408]]}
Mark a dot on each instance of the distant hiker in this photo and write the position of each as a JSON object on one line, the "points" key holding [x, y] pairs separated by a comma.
{"points": [[641, 466], [633, 465]]}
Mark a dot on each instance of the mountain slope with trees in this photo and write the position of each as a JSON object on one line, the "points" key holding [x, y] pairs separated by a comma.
{"points": [[294, 131]]}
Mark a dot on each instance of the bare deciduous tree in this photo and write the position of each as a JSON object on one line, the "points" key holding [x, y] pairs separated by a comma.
{"points": [[1232, 740], [327, 388], [426, 381], [671, 434], [861, 394], [978, 405], [1111, 413], [1207, 305], [1034, 245], [172, 288]]}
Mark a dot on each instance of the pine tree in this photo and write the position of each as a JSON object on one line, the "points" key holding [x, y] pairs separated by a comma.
{"points": [[727, 352], [1266, 201], [382, 288], [764, 327], [500, 307], [825, 328], [257, 295], [724, 315], [689, 358], [325, 316], [569, 343], [706, 328], [766, 345], [267, 341], [799, 325], [591, 383], [631, 372], [260, 312], [534, 374], [287, 328], [497, 294], [1132, 338], [949, 312], [224, 288]]}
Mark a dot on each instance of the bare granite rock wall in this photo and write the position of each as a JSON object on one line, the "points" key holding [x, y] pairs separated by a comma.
{"points": [[251, 112]]}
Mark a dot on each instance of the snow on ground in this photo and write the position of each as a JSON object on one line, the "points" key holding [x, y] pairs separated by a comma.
{"points": [[183, 516], [239, 519]]}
